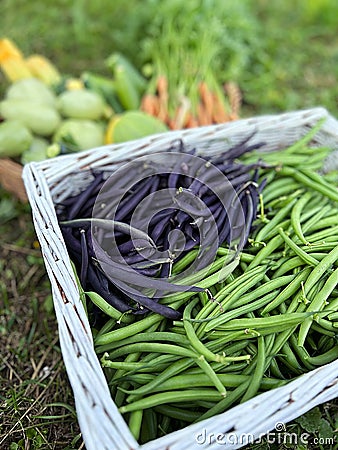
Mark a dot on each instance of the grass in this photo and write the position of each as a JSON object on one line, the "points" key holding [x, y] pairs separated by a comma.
{"points": [[283, 54], [298, 67], [37, 407]]}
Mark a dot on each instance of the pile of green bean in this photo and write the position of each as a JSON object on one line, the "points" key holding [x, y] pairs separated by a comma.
{"points": [[265, 318]]}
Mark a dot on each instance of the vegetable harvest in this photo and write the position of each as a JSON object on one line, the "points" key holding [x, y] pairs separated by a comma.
{"points": [[71, 114], [192, 183], [80, 113], [258, 317]]}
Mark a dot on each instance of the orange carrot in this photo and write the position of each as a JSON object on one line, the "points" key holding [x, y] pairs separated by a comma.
{"points": [[191, 121], [219, 114], [203, 116], [162, 113], [150, 104], [162, 86], [206, 97], [235, 97], [163, 96], [171, 124], [181, 113]]}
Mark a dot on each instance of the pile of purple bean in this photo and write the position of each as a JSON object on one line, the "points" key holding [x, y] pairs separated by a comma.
{"points": [[125, 232]]}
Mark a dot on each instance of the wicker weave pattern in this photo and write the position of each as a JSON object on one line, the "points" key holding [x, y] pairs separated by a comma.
{"points": [[51, 181]]}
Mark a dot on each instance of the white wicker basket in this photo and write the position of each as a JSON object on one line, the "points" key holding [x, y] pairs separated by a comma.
{"points": [[101, 424]]}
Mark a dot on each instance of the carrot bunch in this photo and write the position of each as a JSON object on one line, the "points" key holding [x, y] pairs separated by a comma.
{"points": [[209, 106]]}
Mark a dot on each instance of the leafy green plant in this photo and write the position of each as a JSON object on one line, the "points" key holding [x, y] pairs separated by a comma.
{"points": [[230, 26], [320, 425], [314, 430], [7, 210]]}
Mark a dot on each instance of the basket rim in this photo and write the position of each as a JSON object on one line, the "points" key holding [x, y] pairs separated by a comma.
{"points": [[266, 120]]}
